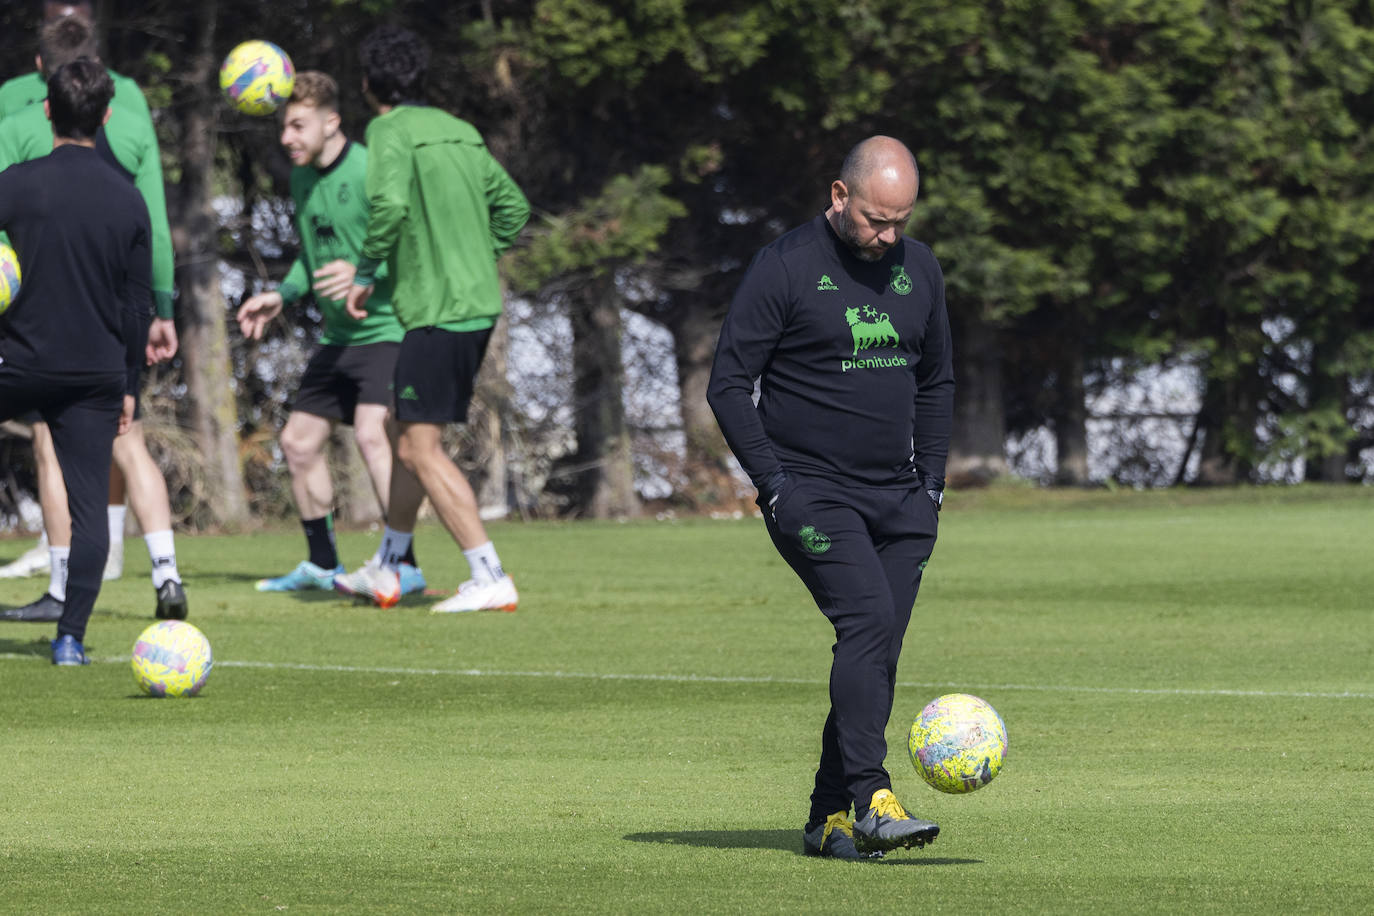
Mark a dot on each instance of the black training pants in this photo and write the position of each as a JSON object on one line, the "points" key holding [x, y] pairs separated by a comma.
{"points": [[83, 416], [861, 551]]}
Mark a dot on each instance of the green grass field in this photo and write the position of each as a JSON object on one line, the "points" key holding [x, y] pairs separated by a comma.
{"points": [[1187, 680]]}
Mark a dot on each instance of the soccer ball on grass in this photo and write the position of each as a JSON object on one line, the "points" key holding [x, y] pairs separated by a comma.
{"points": [[256, 77], [957, 743], [172, 659]]}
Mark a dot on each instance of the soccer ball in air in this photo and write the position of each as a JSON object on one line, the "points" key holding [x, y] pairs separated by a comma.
{"points": [[172, 659], [9, 276], [957, 743], [256, 77]]}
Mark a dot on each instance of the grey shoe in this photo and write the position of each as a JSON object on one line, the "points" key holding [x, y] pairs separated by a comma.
{"points": [[45, 609], [834, 838], [888, 826]]}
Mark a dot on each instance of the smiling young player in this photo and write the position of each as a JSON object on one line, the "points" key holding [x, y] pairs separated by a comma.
{"points": [[348, 379]]}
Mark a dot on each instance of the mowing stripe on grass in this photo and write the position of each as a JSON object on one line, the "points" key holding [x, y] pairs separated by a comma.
{"points": [[809, 682]]}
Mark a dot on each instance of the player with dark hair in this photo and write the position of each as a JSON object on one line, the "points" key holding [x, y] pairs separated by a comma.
{"points": [[349, 376], [72, 342], [843, 322], [442, 210], [129, 143]]}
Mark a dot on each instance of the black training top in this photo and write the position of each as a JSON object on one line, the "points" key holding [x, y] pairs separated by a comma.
{"points": [[80, 229], [854, 362]]}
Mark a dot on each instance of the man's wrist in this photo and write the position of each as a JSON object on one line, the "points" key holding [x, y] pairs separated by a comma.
{"points": [[771, 486], [366, 274]]}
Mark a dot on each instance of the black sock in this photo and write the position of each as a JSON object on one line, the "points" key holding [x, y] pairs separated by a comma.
{"points": [[319, 537]]}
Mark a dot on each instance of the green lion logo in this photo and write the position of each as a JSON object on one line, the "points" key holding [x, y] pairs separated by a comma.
{"points": [[871, 330], [901, 281], [814, 541]]}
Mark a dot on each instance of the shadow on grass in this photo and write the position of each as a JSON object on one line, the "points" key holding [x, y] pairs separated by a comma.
{"points": [[786, 840], [723, 839], [39, 648]]}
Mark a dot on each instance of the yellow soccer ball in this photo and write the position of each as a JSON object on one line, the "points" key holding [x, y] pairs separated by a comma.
{"points": [[957, 743], [9, 276], [172, 659], [256, 77]]}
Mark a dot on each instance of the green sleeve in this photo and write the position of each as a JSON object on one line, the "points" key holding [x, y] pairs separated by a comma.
{"points": [[296, 283], [509, 208], [389, 171], [148, 180]]}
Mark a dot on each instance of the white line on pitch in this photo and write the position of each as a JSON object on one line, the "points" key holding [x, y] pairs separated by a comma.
{"points": [[744, 679]]}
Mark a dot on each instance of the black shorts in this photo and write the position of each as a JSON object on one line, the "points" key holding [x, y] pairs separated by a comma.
{"points": [[435, 374], [338, 379]]}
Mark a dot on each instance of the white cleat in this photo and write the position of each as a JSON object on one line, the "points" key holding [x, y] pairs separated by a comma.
{"points": [[380, 585], [114, 561], [36, 561], [496, 595]]}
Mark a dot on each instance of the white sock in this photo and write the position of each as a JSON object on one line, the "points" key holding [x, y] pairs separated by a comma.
{"points": [[394, 546], [116, 518], [57, 574], [484, 563], [163, 552]]}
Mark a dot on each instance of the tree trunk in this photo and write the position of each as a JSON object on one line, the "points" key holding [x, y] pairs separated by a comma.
{"points": [[1071, 422], [487, 428], [604, 465], [708, 476], [1226, 421], [978, 448], [205, 358], [1327, 392]]}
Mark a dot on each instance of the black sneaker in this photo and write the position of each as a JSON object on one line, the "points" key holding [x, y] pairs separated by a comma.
{"points": [[171, 601], [834, 837], [45, 609], [888, 826]]}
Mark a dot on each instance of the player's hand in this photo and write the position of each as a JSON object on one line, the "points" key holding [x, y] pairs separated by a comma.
{"points": [[357, 301], [162, 341], [254, 314], [126, 415], [332, 281]]}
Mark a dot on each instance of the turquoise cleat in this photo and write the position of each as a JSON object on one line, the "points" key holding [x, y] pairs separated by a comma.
{"points": [[305, 576], [412, 580]]}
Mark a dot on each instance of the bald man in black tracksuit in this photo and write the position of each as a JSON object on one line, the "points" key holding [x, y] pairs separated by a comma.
{"points": [[843, 321], [73, 340]]}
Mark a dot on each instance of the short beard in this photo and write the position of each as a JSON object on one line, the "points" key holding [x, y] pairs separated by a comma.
{"points": [[844, 228]]}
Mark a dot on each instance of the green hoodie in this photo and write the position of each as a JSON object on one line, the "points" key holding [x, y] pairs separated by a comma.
{"points": [[26, 133], [442, 211]]}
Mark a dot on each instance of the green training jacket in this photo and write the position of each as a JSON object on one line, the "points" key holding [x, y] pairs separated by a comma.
{"points": [[443, 210], [26, 133], [331, 219], [23, 91]]}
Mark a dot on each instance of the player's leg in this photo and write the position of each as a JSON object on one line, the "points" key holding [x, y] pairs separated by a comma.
{"points": [[372, 367], [903, 524], [117, 512], [57, 522], [17, 394], [83, 433], [325, 396], [375, 433], [905, 540], [37, 560], [153, 508]]}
